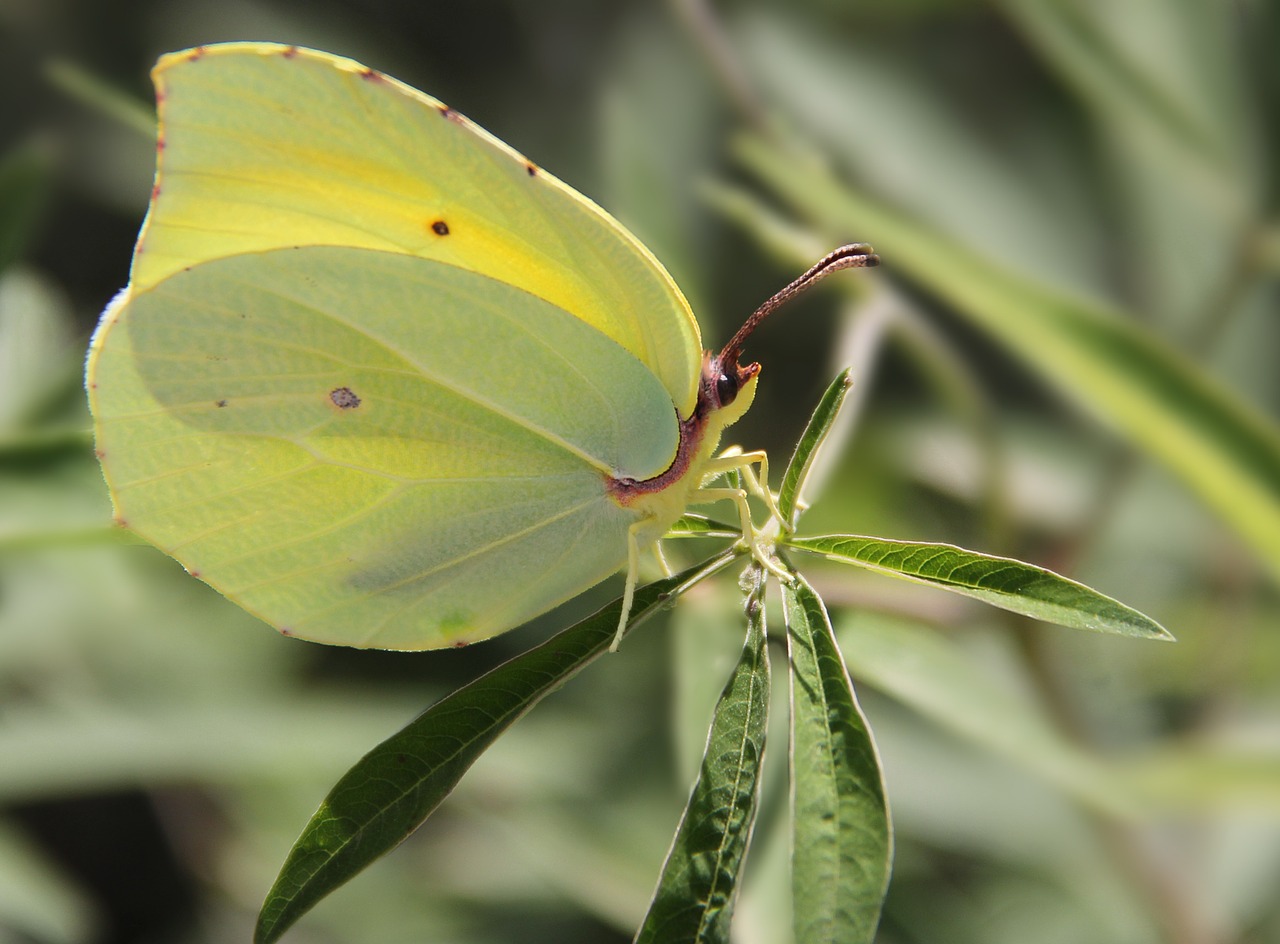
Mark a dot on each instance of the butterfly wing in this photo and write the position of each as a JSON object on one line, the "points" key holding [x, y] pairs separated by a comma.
{"points": [[370, 448], [374, 369], [265, 146]]}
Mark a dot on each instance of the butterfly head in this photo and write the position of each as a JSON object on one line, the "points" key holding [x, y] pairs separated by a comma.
{"points": [[723, 379]]}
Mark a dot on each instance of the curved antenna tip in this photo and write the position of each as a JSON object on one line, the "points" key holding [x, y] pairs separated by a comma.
{"points": [[851, 256]]}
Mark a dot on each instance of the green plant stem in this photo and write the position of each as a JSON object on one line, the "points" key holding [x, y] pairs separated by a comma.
{"points": [[1173, 901], [42, 444], [101, 97], [1224, 303], [703, 27]]}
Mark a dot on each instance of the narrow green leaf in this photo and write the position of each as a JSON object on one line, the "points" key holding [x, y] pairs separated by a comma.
{"points": [[700, 526], [842, 840], [790, 493], [1008, 584], [1221, 446], [694, 898], [393, 788]]}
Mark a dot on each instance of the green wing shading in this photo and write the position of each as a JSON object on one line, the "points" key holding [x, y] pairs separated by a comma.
{"points": [[372, 449]]}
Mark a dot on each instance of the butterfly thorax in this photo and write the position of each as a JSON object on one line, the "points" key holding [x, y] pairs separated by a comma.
{"points": [[725, 392]]}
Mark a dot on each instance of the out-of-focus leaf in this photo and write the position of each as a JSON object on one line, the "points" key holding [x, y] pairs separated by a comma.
{"points": [[925, 671], [52, 495], [1049, 477], [36, 902], [393, 788], [1163, 82], [695, 894], [875, 114], [24, 185], [842, 844], [650, 178], [102, 97], [1207, 778], [91, 746], [37, 361], [1009, 584], [1167, 68], [1220, 446]]}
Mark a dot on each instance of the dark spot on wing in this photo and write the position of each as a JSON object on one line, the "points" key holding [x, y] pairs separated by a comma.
{"points": [[440, 228], [372, 76], [531, 168], [289, 52], [344, 398]]}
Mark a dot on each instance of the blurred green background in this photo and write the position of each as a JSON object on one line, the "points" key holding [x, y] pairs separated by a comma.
{"points": [[1070, 355]]}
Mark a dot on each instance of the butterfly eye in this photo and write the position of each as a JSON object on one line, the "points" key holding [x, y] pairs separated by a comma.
{"points": [[726, 388]]}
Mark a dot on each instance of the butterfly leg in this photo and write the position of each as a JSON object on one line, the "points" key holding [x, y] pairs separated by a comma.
{"points": [[758, 540], [629, 588], [754, 538], [662, 560], [733, 458]]}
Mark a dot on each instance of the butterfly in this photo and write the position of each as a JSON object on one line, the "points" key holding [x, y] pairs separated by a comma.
{"points": [[383, 381]]}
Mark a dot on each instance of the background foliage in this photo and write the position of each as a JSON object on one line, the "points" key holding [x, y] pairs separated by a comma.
{"points": [[1036, 173]]}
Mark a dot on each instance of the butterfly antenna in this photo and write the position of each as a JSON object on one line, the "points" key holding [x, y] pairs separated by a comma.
{"points": [[852, 256]]}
